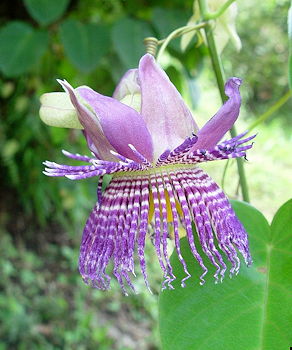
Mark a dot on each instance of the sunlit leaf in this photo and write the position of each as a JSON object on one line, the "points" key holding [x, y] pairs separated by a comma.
{"points": [[21, 47], [85, 44], [127, 36], [46, 11], [249, 311]]}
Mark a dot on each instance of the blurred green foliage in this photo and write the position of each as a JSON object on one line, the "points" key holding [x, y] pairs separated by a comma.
{"points": [[43, 302], [263, 60]]}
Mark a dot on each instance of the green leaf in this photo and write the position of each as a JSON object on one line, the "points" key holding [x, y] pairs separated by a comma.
{"points": [[166, 20], [128, 35], [85, 44], [192, 59], [278, 303], [46, 11], [290, 45], [249, 311], [21, 47], [176, 77]]}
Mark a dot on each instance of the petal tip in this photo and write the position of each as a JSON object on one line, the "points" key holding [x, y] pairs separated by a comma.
{"points": [[147, 59], [65, 85], [232, 86], [233, 81], [236, 80]]}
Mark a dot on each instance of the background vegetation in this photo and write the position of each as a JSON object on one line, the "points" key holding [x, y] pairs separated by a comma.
{"points": [[43, 302]]}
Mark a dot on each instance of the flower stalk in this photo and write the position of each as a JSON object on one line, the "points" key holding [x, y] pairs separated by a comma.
{"points": [[219, 73]]}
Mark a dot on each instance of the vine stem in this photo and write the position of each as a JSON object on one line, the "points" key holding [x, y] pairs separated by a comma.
{"points": [[176, 33], [219, 73]]}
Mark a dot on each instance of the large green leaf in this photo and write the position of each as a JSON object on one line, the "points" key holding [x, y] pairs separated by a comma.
{"points": [[128, 35], [247, 312], [21, 47], [85, 44], [278, 302], [46, 11]]}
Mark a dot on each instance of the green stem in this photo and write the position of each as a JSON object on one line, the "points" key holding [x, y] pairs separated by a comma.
{"points": [[271, 110], [241, 172], [219, 12], [224, 174], [219, 73], [176, 33]]}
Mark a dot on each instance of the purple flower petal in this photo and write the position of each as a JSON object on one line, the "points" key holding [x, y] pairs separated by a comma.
{"points": [[97, 142], [121, 124], [217, 126], [167, 117]]}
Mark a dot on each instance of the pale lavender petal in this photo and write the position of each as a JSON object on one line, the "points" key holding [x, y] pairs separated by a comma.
{"points": [[120, 123], [128, 85], [167, 117], [97, 142], [213, 131]]}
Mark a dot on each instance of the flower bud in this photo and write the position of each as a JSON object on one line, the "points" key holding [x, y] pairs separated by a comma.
{"points": [[57, 110]]}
